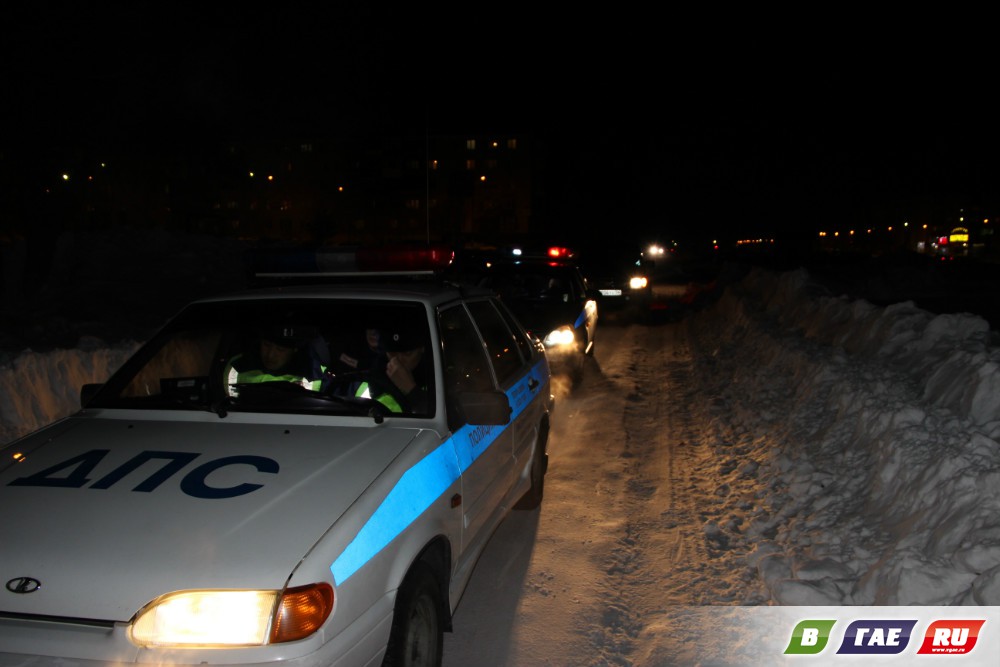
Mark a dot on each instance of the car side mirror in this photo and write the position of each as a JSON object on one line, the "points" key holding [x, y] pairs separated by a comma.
{"points": [[485, 408], [87, 392]]}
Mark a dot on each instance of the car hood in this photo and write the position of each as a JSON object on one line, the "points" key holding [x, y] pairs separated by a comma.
{"points": [[108, 515]]}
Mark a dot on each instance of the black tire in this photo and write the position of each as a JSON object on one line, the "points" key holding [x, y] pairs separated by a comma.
{"points": [[539, 464], [417, 635]]}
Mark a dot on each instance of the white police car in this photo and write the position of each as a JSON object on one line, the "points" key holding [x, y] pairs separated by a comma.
{"points": [[228, 497]]}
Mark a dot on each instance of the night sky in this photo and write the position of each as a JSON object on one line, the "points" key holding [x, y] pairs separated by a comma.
{"points": [[666, 123]]}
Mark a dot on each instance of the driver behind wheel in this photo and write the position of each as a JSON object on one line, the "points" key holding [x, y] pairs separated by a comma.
{"points": [[279, 355]]}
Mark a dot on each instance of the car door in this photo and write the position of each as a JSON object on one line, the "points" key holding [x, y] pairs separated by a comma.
{"points": [[484, 452], [511, 355], [529, 384]]}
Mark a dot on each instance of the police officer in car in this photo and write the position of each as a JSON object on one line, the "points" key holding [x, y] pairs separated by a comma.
{"points": [[280, 355], [400, 376]]}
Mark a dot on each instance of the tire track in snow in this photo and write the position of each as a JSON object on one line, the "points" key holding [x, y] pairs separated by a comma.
{"points": [[659, 556]]}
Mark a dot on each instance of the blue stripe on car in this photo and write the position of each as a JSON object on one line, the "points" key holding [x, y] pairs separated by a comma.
{"points": [[422, 484], [581, 318]]}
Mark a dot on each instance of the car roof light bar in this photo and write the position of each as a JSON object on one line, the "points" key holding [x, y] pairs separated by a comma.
{"points": [[397, 259]]}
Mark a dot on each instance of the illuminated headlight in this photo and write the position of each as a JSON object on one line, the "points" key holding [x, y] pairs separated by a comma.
{"points": [[561, 337], [214, 619], [638, 282]]}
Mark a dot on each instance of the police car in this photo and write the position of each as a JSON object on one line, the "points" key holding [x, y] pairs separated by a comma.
{"points": [[197, 512], [549, 295]]}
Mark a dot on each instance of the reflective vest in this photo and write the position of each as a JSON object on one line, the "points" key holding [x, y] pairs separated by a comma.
{"points": [[386, 399], [254, 375]]}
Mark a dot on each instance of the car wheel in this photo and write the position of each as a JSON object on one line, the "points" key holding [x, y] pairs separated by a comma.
{"points": [[417, 635], [539, 464]]}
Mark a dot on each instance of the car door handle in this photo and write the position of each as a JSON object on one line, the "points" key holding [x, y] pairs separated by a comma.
{"points": [[532, 383]]}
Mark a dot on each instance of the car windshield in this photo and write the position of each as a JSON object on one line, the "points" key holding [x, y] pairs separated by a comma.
{"points": [[337, 356]]}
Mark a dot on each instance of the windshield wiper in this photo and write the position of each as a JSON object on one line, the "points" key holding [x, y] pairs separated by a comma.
{"points": [[294, 395]]}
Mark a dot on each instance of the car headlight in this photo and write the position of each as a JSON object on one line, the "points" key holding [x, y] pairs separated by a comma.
{"points": [[207, 619], [638, 282], [560, 337]]}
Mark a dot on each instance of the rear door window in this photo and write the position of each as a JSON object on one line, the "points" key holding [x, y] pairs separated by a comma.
{"points": [[504, 350]]}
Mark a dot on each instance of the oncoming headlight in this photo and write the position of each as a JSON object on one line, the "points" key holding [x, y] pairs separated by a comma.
{"points": [[216, 619], [561, 337], [638, 282]]}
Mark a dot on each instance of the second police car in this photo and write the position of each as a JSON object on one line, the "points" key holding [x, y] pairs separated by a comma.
{"points": [[260, 485], [548, 294]]}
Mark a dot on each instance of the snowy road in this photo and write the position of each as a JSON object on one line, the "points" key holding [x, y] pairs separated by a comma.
{"points": [[621, 535]]}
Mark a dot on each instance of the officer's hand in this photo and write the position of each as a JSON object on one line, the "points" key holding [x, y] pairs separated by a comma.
{"points": [[400, 375]]}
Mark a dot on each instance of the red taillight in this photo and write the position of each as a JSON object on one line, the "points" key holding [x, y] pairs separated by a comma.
{"points": [[301, 612], [560, 252], [404, 259]]}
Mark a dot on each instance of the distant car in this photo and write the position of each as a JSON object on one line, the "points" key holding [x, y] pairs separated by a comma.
{"points": [[550, 297], [621, 282], [193, 514]]}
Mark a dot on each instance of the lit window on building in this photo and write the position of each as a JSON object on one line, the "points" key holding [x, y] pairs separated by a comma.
{"points": [[470, 165], [470, 144], [512, 144], [413, 204]]}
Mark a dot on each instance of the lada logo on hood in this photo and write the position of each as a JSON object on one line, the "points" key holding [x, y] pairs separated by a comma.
{"points": [[23, 585]]}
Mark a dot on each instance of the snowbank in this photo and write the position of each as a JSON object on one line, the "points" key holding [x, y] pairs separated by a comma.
{"points": [[869, 436], [38, 388]]}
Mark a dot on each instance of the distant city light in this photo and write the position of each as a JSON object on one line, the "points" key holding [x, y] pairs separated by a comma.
{"points": [[65, 177]]}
